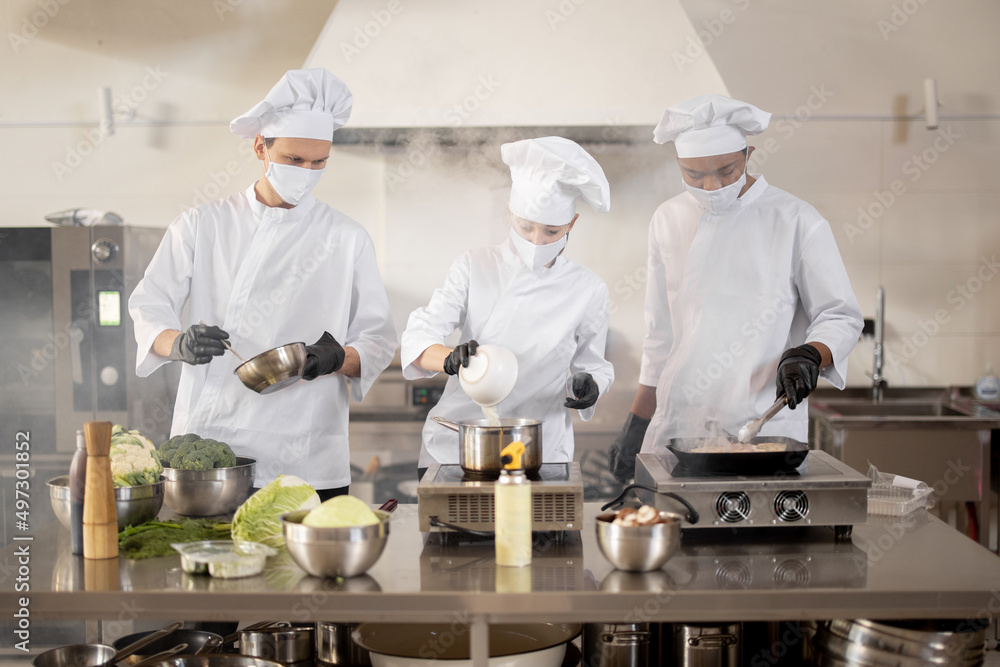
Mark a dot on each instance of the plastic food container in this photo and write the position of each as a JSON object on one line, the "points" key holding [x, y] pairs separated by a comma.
{"points": [[897, 501], [224, 559]]}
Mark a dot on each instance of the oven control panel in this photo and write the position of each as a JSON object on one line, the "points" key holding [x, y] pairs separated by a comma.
{"points": [[425, 396]]}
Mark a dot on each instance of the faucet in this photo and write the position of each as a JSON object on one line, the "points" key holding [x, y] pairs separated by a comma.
{"points": [[878, 381]]}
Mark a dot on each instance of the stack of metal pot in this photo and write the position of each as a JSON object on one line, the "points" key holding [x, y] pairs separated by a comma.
{"points": [[862, 642]]}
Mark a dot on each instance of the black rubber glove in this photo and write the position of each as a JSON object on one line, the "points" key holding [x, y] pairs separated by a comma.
{"points": [[585, 390], [199, 344], [798, 372], [621, 455], [323, 357], [459, 357]]}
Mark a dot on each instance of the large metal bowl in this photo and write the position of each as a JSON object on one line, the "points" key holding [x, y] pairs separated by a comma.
{"points": [[275, 369], [209, 492], [639, 548], [134, 504], [334, 552]]}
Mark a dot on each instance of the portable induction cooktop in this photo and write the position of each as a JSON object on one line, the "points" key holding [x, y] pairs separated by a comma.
{"points": [[466, 501], [821, 492]]}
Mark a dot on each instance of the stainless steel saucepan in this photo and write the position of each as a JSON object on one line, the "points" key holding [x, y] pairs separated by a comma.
{"points": [[479, 444], [213, 660], [293, 643], [96, 655]]}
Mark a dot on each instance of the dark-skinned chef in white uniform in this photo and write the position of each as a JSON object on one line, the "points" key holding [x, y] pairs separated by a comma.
{"points": [[747, 297]]}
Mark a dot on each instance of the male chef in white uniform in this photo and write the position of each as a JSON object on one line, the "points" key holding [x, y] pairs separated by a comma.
{"points": [[266, 267], [523, 294], [747, 298]]}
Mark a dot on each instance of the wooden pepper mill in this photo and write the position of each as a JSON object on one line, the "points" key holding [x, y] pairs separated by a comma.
{"points": [[100, 518]]}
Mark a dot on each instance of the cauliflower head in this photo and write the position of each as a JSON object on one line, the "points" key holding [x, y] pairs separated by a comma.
{"points": [[134, 461]]}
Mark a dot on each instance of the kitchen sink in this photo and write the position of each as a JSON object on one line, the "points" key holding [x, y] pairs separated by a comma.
{"points": [[889, 394], [931, 434], [890, 409]]}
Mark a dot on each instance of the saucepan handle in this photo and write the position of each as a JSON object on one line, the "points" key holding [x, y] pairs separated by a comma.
{"points": [[692, 515], [389, 505], [447, 424], [438, 523]]}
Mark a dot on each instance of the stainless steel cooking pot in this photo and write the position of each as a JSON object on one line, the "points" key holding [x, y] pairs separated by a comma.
{"points": [[96, 655], [275, 369], [336, 646], [283, 644], [707, 645], [479, 444]]}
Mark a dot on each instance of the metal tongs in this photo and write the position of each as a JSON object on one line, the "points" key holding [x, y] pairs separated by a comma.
{"points": [[752, 427]]}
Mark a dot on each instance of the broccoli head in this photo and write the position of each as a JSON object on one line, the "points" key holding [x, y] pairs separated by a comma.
{"points": [[169, 448], [192, 452]]}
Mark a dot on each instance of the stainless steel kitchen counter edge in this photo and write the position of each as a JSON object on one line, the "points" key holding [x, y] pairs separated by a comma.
{"points": [[915, 567]]}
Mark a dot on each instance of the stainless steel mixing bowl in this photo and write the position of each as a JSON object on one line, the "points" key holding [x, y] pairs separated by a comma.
{"points": [[134, 504], [209, 492], [639, 548], [334, 552], [275, 369]]}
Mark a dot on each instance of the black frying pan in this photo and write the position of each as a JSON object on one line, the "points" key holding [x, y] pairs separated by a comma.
{"points": [[739, 463]]}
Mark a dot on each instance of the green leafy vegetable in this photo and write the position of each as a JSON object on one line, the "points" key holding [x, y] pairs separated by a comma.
{"points": [[257, 519], [153, 538]]}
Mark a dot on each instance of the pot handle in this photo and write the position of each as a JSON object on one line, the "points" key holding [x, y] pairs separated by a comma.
{"points": [[692, 515], [209, 646], [438, 523], [142, 643], [389, 505], [447, 424]]}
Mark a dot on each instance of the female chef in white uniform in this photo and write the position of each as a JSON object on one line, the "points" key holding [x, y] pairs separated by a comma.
{"points": [[746, 291], [525, 296]]}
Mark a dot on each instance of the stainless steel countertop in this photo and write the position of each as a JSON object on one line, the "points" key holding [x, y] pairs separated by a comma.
{"points": [[915, 567]]}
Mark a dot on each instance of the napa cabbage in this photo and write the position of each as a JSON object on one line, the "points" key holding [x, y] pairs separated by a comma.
{"points": [[259, 518]]}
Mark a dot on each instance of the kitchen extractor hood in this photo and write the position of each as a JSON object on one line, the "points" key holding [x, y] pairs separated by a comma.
{"points": [[594, 70]]}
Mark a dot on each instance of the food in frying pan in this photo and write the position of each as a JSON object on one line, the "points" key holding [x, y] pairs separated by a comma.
{"points": [[740, 448]]}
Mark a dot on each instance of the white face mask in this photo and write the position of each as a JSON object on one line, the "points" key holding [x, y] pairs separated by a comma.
{"points": [[537, 256], [719, 200], [290, 182]]}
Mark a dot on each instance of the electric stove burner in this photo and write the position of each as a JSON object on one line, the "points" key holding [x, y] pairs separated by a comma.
{"points": [[821, 492], [548, 472], [466, 501], [680, 470]]}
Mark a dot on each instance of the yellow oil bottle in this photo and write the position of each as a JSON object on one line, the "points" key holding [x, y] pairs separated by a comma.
{"points": [[512, 510]]}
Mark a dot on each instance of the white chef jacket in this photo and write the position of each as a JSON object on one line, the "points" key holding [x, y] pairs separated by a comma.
{"points": [[727, 294], [554, 320], [268, 276]]}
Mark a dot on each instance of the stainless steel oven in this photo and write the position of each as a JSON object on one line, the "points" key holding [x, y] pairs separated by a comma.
{"points": [[67, 349]]}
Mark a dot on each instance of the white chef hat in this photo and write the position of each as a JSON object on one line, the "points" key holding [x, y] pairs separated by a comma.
{"points": [[305, 103], [710, 125], [548, 174]]}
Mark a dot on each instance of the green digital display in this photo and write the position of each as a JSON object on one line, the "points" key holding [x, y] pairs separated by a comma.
{"points": [[109, 308]]}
